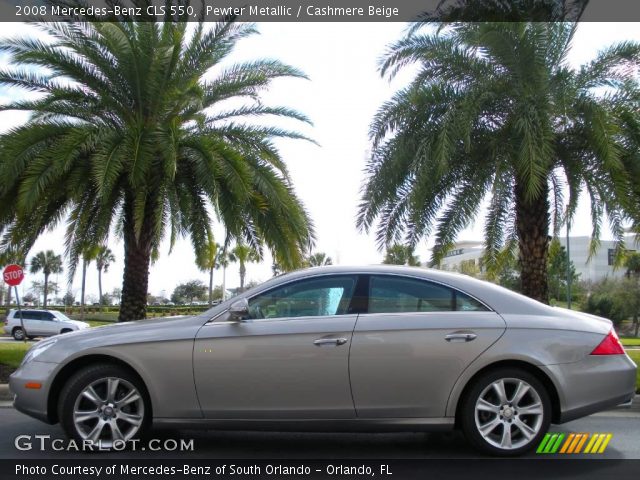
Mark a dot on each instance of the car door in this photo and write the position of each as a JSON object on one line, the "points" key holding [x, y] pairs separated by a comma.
{"points": [[415, 340], [289, 359], [49, 324]]}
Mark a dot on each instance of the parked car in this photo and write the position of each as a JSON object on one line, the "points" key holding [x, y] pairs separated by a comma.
{"points": [[40, 323], [334, 348]]}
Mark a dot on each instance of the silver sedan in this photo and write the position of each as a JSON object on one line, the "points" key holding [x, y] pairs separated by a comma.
{"points": [[376, 348]]}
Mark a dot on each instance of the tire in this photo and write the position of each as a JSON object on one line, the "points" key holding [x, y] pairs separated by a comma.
{"points": [[104, 418], [496, 423], [18, 334], [65, 330]]}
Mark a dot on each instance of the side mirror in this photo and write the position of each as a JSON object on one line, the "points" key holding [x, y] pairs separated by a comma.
{"points": [[239, 310]]}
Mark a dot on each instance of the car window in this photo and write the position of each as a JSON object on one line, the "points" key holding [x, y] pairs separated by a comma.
{"points": [[46, 316], [390, 294], [321, 297], [465, 303], [27, 315]]}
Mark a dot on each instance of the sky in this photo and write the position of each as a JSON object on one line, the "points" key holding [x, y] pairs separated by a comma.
{"points": [[341, 97]]}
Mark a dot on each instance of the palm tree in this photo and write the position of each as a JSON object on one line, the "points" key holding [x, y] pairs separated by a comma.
{"points": [[46, 262], [104, 258], [401, 255], [143, 138], [208, 262], [319, 259], [496, 113], [89, 253], [243, 254]]}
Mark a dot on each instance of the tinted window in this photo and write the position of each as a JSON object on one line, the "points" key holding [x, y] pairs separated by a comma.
{"points": [[27, 315], [46, 316], [325, 296], [389, 294]]}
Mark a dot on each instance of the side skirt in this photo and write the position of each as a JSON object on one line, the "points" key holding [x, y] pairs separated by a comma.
{"points": [[313, 425]]}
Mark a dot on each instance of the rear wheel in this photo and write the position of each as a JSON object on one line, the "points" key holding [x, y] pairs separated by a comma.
{"points": [[104, 404], [506, 412], [18, 333]]}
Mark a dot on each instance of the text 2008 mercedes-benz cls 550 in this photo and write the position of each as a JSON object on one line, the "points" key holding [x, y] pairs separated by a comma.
{"points": [[376, 348]]}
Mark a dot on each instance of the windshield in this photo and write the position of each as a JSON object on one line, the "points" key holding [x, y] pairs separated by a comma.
{"points": [[61, 316]]}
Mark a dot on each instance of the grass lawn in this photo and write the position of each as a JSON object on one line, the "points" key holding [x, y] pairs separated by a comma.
{"points": [[11, 353], [630, 341]]}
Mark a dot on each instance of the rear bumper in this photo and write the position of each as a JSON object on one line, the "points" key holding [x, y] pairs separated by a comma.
{"points": [[32, 402], [597, 383]]}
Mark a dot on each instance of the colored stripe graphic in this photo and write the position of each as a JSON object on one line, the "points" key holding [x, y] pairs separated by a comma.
{"points": [[573, 443], [543, 443]]}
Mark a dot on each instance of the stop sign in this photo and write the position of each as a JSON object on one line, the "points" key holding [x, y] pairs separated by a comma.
{"points": [[13, 275]]}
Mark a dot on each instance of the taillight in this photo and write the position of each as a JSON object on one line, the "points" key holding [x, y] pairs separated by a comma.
{"points": [[609, 346]]}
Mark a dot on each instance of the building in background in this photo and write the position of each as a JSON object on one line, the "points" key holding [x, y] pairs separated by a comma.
{"points": [[600, 266]]}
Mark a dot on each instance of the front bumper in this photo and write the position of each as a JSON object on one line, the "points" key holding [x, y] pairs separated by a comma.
{"points": [[33, 402], [597, 383]]}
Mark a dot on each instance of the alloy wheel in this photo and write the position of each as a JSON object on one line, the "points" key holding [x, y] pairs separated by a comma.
{"points": [[108, 410], [509, 413]]}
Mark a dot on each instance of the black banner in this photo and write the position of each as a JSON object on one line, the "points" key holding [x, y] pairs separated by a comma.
{"points": [[522, 469], [321, 10]]}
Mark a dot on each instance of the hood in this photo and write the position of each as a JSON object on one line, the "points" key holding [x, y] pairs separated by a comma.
{"points": [[78, 323]]}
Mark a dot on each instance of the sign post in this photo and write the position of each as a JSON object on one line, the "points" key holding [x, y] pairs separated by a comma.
{"points": [[13, 276]]}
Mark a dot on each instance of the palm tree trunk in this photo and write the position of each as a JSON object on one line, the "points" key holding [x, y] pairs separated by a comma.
{"points": [[8, 296], [100, 286], [137, 257], [532, 223], [243, 272], [210, 286], [46, 290], [82, 290]]}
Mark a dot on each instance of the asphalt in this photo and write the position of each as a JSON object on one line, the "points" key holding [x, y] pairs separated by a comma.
{"points": [[623, 424]]}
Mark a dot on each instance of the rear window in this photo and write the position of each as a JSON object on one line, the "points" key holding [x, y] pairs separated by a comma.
{"points": [[392, 294]]}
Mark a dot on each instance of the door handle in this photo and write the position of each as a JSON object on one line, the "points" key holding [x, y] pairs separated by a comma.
{"points": [[460, 337], [329, 341]]}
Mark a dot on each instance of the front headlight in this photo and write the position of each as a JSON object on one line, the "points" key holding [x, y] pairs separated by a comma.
{"points": [[37, 349]]}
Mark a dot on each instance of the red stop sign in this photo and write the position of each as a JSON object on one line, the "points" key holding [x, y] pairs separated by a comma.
{"points": [[13, 274]]}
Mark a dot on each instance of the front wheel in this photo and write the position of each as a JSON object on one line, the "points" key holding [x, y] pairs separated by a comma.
{"points": [[104, 404], [18, 334], [506, 412]]}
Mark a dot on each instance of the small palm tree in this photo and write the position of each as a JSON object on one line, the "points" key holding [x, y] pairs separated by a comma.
{"points": [[401, 255], [496, 113], [208, 262], [46, 262], [87, 256], [319, 259], [104, 258], [244, 254]]}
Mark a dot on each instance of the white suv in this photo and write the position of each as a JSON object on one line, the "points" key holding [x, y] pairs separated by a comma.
{"points": [[40, 323]]}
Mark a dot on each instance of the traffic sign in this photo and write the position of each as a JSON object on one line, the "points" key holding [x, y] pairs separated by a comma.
{"points": [[13, 275]]}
